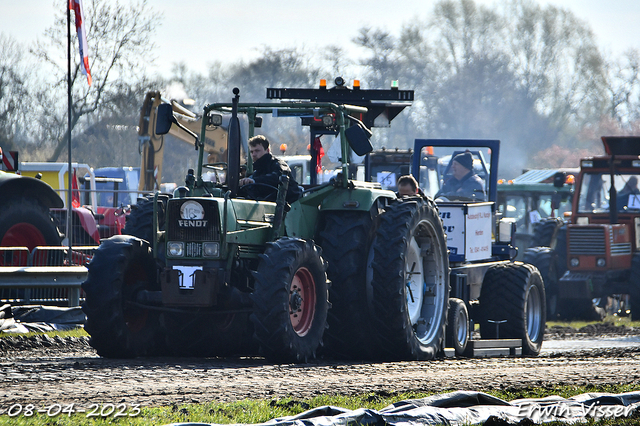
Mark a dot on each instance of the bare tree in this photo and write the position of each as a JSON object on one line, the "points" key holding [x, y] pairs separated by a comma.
{"points": [[623, 88], [119, 45], [558, 60], [12, 90]]}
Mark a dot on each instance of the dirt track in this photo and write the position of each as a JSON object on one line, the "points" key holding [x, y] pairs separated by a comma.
{"points": [[53, 371]]}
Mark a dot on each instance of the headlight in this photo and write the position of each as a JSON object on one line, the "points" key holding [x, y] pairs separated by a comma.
{"points": [[601, 262], [575, 262], [582, 220], [211, 249], [175, 248]]}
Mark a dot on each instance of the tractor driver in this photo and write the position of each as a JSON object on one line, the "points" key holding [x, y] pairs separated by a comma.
{"points": [[267, 170], [408, 187], [464, 182]]}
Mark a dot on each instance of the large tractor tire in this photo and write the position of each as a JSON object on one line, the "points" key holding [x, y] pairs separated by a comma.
{"points": [[634, 289], [290, 300], [24, 222], [345, 242], [409, 293], [458, 333], [560, 248], [513, 293], [121, 267], [543, 232], [139, 222], [544, 258]]}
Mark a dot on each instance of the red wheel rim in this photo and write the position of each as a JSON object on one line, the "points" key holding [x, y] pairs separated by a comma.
{"points": [[23, 235], [302, 301]]}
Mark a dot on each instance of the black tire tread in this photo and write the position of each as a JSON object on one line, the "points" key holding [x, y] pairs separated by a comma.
{"points": [[105, 298], [345, 243], [272, 326], [395, 334], [502, 297]]}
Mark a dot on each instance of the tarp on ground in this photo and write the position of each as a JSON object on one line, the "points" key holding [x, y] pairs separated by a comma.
{"points": [[30, 318], [469, 408]]}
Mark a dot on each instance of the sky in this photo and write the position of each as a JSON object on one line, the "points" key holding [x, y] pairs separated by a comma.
{"points": [[199, 32]]}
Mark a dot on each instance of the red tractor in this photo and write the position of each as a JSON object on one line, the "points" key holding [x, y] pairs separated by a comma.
{"points": [[602, 238]]}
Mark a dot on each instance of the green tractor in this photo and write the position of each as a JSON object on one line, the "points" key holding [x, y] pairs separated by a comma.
{"points": [[347, 271]]}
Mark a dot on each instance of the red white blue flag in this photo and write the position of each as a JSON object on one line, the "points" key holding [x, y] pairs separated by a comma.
{"points": [[76, 6]]}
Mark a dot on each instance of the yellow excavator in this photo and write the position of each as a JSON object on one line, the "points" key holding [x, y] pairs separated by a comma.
{"points": [[151, 145]]}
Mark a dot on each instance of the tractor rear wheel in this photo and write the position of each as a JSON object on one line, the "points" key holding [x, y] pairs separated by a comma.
{"points": [[119, 328], [513, 295], [139, 221], [543, 232], [409, 294], [634, 290], [345, 243], [24, 222], [290, 300]]}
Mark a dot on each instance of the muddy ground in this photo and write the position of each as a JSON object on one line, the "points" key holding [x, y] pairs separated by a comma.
{"points": [[45, 371]]}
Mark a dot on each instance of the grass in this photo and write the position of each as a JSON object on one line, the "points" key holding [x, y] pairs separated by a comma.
{"points": [[257, 411], [614, 320], [76, 332]]}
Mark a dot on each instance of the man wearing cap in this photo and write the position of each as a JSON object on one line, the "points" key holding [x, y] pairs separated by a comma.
{"points": [[464, 182]]}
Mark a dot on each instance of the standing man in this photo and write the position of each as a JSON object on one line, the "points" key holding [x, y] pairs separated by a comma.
{"points": [[267, 170], [464, 182]]}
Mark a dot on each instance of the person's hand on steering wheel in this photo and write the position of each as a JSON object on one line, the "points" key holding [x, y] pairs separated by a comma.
{"points": [[246, 181]]}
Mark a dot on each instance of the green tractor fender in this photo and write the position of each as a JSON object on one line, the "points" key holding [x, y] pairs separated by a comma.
{"points": [[301, 221], [15, 186]]}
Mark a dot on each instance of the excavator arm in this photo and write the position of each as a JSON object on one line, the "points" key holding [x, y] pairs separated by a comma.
{"points": [[151, 145]]}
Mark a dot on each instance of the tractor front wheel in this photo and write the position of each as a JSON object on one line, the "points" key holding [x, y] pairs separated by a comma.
{"points": [[119, 327], [290, 300]]}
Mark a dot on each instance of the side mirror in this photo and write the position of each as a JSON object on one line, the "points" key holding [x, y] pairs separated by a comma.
{"points": [[164, 119]]}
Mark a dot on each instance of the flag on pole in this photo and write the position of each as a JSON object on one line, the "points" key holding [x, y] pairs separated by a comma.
{"points": [[76, 6], [75, 195]]}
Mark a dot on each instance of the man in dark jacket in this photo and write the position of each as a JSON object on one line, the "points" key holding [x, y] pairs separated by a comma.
{"points": [[465, 182], [267, 170]]}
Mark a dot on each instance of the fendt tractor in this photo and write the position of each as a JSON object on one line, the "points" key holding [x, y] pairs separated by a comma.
{"points": [[504, 297], [602, 238], [347, 271]]}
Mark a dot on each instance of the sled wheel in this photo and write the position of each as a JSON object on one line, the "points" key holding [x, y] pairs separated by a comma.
{"points": [[121, 267], [409, 283], [458, 327], [513, 293], [290, 300]]}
